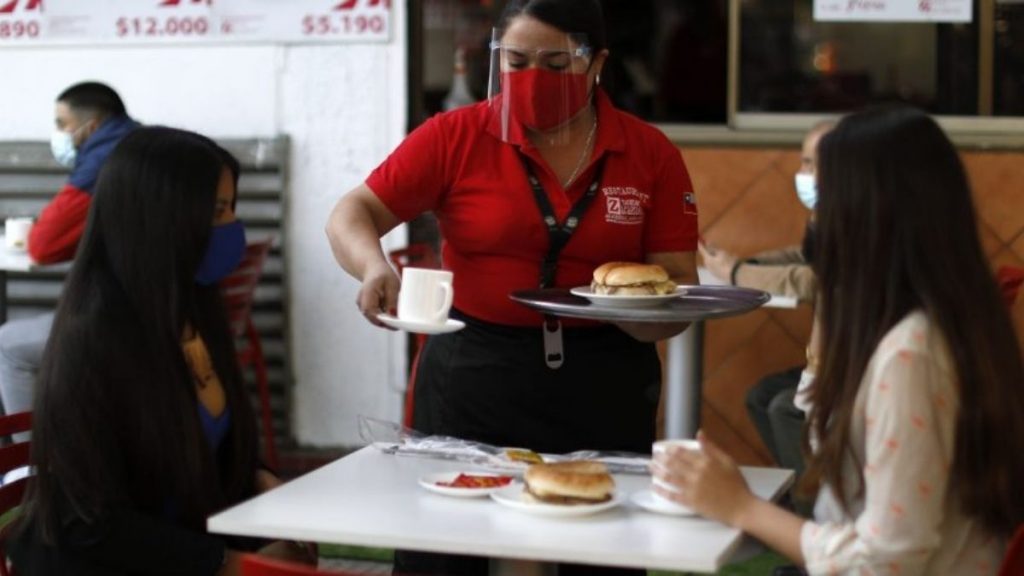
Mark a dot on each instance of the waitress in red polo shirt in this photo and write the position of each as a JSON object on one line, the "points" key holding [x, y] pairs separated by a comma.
{"points": [[545, 170]]}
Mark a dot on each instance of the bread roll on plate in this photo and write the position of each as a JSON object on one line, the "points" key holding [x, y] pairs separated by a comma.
{"points": [[576, 482], [631, 279]]}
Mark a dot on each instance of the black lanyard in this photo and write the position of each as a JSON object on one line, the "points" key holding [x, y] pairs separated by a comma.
{"points": [[558, 234]]}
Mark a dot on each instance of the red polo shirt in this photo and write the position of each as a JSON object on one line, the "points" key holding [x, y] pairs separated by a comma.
{"points": [[457, 166]]}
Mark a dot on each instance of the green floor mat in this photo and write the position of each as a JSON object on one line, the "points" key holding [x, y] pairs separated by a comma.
{"points": [[356, 553]]}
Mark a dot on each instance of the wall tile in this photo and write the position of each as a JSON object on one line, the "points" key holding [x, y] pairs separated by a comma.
{"points": [[748, 204]]}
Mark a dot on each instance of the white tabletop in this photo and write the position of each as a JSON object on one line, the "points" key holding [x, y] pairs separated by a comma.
{"points": [[777, 300], [372, 499]]}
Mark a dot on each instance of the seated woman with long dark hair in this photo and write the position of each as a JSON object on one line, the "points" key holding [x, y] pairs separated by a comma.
{"points": [[142, 426], [916, 429]]}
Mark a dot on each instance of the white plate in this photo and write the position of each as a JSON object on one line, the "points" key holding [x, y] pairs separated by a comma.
{"points": [[429, 481], [451, 325], [625, 301], [515, 496], [646, 500]]}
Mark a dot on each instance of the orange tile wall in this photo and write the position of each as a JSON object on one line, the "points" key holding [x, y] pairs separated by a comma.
{"points": [[747, 204]]}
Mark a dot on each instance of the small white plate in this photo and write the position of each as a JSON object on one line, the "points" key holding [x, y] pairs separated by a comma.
{"points": [[626, 301], [450, 325], [430, 482], [646, 500], [515, 497]]}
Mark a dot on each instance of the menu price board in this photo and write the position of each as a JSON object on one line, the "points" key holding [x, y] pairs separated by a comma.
{"points": [[127, 22], [893, 11]]}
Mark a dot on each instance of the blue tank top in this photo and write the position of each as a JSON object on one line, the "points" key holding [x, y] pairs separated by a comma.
{"points": [[215, 428]]}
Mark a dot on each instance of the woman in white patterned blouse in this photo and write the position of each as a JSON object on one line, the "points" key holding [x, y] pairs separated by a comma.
{"points": [[916, 427]]}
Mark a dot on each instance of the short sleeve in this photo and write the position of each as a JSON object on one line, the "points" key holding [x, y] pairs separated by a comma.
{"points": [[672, 221], [414, 178]]}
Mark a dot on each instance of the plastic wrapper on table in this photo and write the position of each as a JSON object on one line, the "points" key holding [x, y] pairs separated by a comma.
{"points": [[393, 438]]}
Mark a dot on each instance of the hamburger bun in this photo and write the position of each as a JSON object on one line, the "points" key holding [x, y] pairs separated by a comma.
{"points": [[631, 279], [577, 482]]}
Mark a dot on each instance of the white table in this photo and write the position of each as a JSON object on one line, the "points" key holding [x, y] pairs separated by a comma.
{"points": [[683, 368], [372, 499]]}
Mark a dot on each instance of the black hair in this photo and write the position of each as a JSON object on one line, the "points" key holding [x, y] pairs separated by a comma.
{"points": [[897, 232], [569, 16], [93, 98], [116, 420]]}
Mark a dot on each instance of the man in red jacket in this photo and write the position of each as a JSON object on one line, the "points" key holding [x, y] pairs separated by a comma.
{"points": [[90, 121]]}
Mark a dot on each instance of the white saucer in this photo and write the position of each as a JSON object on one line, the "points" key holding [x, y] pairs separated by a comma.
{"points": [[515, 497], [450, 325], [646, 500], [626, 301], [430, 482]]}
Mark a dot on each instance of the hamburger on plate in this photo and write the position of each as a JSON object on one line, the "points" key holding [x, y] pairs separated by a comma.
{"points": [[568, 483], [631, 279]]}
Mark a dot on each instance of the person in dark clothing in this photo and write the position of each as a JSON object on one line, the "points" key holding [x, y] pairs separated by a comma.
{"points": [[142, 426]]}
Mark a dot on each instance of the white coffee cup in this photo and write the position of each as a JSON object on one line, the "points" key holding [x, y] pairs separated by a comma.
{"points": [[426, 295], [660, 447], [16, 233]]}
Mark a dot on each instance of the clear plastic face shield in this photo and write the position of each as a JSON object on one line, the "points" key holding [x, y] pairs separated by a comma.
{"points": [[538, 89]]}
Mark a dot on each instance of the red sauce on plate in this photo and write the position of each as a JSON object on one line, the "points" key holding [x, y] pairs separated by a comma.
{"points": [[474, 481]]}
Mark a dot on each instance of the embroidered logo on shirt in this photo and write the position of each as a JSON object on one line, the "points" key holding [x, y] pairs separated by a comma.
{"points": [[625, 205]]}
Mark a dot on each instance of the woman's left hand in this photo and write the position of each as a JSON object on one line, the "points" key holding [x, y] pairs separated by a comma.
{"points": [[707, 481]]}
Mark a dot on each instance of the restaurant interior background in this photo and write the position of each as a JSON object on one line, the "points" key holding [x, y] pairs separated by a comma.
{"points": [[734, 83]]}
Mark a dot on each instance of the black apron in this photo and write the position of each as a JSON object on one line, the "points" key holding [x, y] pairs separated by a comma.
{"points": [[489, 383]]}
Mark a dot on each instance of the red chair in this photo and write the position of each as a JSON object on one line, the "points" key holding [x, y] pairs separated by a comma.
{"points": [[253, 565], [1013, 563], [419, 256], [12, 457], [239, 289], [1010, 279]]}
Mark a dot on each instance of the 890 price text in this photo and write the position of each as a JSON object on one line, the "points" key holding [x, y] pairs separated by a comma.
{"points": [[14, 29]]}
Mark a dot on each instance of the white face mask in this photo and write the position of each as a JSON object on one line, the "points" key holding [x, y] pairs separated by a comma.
{"points": [[62, 144], [807, 189]]}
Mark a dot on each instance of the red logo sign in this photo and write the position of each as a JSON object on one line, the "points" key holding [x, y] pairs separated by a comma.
{"points": [[351, 4], [27, 6], [179, 2]]}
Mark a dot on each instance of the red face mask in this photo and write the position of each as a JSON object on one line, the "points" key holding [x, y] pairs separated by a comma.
{"points": [[542, 99]]}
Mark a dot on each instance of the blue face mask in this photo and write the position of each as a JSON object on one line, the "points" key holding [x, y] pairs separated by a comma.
{"points": [[223, 253], [807, 189]]}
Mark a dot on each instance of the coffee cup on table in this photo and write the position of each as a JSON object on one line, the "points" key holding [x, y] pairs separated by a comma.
{"points": [[16, 233], [426, 295], [661, 447]]}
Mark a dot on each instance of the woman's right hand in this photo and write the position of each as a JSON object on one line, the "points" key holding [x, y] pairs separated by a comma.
{"points": [[379, 292], [717, 261]]}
